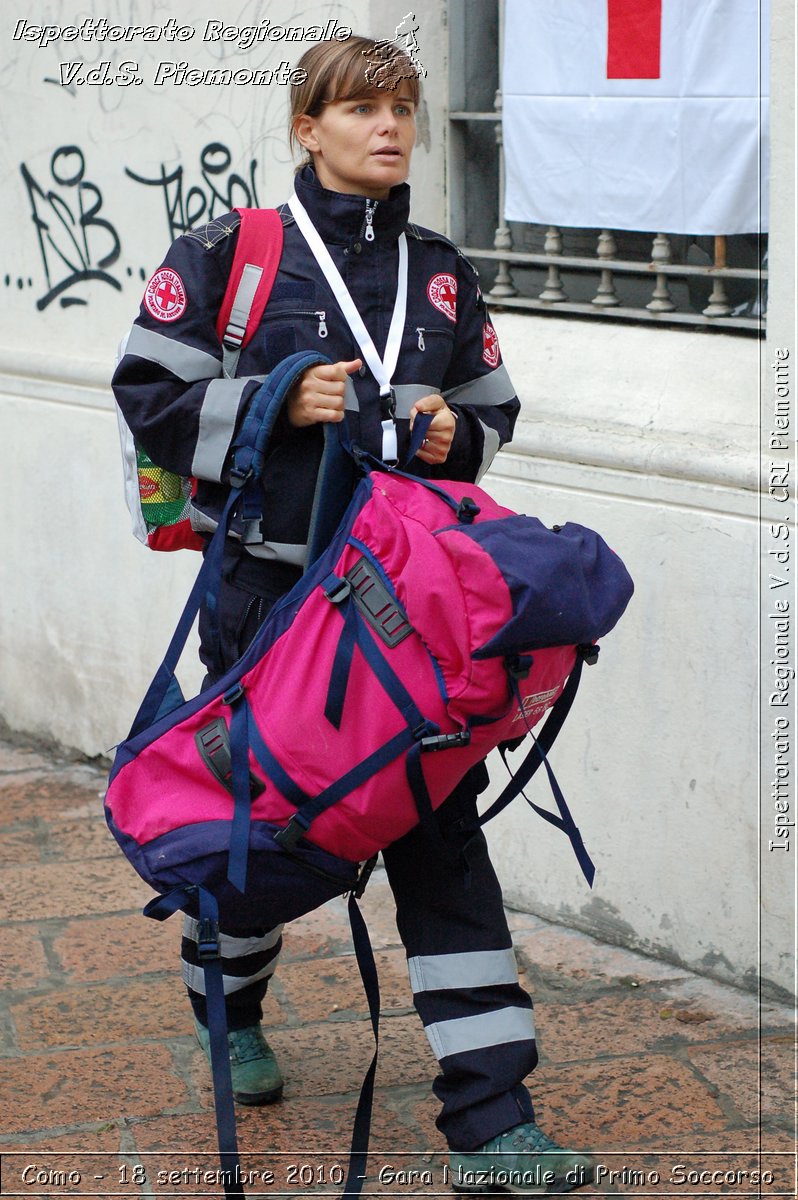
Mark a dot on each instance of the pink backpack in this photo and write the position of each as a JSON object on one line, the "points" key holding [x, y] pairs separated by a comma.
{"points": [[435, 626]]}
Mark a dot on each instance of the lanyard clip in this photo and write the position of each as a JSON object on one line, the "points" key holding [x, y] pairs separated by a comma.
{"points": [[388, 398]]}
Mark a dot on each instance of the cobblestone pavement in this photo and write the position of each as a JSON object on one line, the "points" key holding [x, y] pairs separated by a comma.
{"points": [[668, 1076]]}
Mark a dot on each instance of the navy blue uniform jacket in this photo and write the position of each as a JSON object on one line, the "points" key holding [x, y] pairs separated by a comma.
{"points": [[184, 412]]}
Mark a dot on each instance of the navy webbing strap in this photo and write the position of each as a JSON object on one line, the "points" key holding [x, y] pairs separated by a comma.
{"points": [[208, 948], [302, 820], [242, 794], [385, 673], [537, 756], [271, 766], [342, 662], [421, 796], [358, 1153], [417, 434]]}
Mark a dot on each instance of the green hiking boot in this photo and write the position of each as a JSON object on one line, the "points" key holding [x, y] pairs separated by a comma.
{"points": [[256, 1075], [522, 1160]]}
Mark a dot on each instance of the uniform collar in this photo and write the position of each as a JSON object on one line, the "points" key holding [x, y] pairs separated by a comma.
{"points": [[340, 217]]}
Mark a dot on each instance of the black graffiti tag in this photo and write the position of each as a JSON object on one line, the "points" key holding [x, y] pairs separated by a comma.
{"points": [[76, 245], [221, 189]]}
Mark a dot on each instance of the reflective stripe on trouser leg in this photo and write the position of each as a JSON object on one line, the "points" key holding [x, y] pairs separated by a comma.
{"points": [[248, 963], [462, 969]]}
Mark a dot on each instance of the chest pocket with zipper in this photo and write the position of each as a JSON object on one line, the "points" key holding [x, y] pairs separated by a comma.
{"points": [[429, 347], [295, 319]]}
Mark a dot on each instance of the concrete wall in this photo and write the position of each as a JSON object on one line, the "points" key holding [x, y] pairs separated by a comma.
{"points": [[651, 439], [649, 435]]}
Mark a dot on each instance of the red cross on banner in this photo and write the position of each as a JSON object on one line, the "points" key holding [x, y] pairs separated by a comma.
{"points": [[636, 114], [634, 39]]}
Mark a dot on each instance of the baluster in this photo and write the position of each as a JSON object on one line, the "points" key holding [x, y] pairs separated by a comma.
{"points": [[503, 239], [606, 296], [661, 297], [718, 305], [553, 292]]}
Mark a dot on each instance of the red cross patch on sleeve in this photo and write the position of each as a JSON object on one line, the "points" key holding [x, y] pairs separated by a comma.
{"points": [[442, 293], [165, 296], [490, 345]]}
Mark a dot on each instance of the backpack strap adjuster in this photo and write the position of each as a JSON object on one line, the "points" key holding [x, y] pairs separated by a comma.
{"points": [[296, 828], [208, 939], [336, 589], [446, 741], [364, 877], [518, 666], [588, 653]]}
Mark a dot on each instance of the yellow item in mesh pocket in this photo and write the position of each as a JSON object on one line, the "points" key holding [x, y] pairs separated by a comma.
{"points": [[165, 497]]}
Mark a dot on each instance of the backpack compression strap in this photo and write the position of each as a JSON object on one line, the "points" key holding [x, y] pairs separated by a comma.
{"points": [[257, 257], [538, 754]]}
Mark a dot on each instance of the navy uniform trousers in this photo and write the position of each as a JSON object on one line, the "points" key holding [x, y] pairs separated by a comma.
{"points": [[451, 920]]}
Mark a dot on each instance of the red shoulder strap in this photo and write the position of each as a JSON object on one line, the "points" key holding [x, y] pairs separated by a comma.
{"points": [[260, 245]]}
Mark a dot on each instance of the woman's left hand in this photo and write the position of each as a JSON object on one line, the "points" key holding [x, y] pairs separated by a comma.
{"points": [[440, 435]]}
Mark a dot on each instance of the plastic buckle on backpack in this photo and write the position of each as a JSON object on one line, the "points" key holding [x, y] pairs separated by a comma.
{"points": [[233, 695], [208, 940], [296, 828], [336, 590], [446, 741], [518, 665], [238, 477], [589, 653], [467, 510], [364, 877]]}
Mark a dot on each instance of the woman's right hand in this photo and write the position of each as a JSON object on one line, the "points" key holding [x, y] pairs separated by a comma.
{"points": [[319, 394]]}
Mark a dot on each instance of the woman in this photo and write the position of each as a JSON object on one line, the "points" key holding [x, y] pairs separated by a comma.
{"points": [[428, 347]]}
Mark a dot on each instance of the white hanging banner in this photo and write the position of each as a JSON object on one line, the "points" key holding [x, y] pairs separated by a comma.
{"points": [[381, 368], [637, 114]]}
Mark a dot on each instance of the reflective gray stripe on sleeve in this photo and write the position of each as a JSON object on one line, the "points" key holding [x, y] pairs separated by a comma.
{"points": [[481, 968], [490, 390], [217, 424], [234, 947], [408, 393], [351, 403], [290, 552], [495, 1028], [194, 977], [490, 446], [184, 361], [405, 395]]}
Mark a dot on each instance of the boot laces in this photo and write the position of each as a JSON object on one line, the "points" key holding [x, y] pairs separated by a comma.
{"points": [[529, 1139], [249, 1044]]}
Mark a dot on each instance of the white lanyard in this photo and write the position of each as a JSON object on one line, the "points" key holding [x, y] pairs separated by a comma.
{"points": [[381, 368]]}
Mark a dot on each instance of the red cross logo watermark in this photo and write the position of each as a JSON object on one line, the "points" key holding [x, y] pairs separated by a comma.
{"points": [[634, 39], [490, 342], [165, 296], [442, 292]]}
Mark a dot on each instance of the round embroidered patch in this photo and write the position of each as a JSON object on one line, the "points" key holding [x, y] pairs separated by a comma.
{"points": [[165, 296], [490, 344], [442, 292]]}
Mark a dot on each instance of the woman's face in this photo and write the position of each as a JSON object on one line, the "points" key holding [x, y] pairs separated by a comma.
{"points": [[362, 146]]}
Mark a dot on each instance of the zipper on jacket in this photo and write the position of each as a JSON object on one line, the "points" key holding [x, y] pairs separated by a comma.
{"points": [[371, 208], [422, 329], [319, 314]]}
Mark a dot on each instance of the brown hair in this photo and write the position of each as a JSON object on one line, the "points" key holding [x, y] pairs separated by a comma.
{"points": [[346, 70]]}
